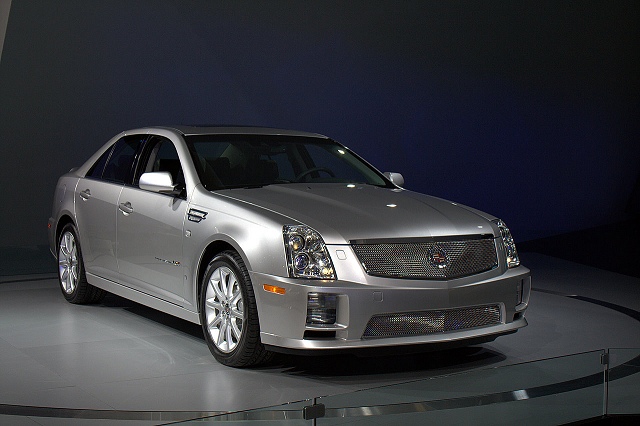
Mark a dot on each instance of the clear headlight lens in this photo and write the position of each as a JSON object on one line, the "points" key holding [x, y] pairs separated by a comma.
{"points": [[509, 245], [307, 254]]}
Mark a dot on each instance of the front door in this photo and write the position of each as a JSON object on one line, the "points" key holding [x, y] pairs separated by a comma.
{"points": [[150, 229]]}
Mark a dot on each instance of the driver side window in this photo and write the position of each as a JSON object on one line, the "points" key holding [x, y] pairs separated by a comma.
{"points": [[161, 156]]}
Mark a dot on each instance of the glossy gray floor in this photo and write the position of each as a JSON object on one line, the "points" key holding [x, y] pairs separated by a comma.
{"points": [[119, 362]]}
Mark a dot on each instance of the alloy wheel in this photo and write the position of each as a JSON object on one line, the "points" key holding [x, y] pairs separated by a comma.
{"points": [[224, 309], [68, 262]]}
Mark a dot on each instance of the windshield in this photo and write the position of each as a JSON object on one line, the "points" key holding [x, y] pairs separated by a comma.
{"points": [[240, 161]]}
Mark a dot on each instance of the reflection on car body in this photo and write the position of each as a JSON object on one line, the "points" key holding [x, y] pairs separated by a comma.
{"points": [[277, 240]]}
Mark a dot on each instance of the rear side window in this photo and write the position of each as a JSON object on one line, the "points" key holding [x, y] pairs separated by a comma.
{"points": [[116, 164], [96, 170]]}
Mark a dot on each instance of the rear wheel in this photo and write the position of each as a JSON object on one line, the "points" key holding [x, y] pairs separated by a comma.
{"points": [[73, 281], [228, 313]]}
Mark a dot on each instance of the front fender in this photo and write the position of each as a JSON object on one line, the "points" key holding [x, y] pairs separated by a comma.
{"points": [[256, 234]]}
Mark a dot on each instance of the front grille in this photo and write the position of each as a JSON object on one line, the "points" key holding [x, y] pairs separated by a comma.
{"points": [[430, 322], [429, 260]]}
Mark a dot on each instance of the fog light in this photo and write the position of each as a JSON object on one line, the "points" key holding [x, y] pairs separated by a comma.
{"points": [[321, 308]]}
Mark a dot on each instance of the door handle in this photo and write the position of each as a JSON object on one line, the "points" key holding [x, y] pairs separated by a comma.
{"points": [[86, 194], [126, 208]]}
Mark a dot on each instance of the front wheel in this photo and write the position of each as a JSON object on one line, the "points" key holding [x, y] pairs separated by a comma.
{"points": [[228, 313], [73, 281]]}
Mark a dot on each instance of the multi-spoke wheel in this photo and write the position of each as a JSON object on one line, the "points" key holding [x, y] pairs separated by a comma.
{"points": [[68, 263], [73, 281], [224, 309], [228, 313]]}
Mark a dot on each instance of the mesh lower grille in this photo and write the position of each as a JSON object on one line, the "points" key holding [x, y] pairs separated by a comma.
{"points": [[430, 322], [428, 260]]}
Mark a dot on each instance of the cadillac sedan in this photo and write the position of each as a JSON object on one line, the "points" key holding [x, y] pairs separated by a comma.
{"points": [[276, 240]]}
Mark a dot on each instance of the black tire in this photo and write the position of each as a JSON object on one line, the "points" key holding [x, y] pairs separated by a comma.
{"points": [[229, 316], [71, 275]]}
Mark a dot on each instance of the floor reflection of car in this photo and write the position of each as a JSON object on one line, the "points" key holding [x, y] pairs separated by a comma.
{"points": [[277, 240]]}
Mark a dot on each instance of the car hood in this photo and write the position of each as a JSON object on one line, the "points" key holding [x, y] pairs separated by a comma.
{"points": [[343, 214]]}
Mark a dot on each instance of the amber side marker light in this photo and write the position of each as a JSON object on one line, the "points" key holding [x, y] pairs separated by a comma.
{"points": [[273, 289]]}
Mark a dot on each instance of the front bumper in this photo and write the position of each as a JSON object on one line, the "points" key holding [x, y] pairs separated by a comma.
{"points": [[283, 317]]}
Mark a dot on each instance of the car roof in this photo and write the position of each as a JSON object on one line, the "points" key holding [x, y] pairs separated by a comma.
{"points": [[240, 130]]}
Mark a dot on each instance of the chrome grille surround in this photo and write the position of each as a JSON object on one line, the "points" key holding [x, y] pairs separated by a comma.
{"points": [[436, 259], [431, 322]]}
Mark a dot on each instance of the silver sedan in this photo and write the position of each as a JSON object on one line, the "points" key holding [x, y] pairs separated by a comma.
{"points": [[275, 240]]}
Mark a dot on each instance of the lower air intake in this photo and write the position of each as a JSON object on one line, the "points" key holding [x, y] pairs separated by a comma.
{"points": [[430, 322]]}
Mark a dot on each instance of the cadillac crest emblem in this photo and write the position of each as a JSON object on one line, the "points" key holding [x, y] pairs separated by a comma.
{"points": [[438, 257]]}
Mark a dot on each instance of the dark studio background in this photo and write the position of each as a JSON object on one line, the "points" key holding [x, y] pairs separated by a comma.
{"points": [[528, 110]]}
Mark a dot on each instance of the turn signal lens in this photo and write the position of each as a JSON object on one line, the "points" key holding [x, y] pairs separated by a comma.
{"points": [[273, 289]]}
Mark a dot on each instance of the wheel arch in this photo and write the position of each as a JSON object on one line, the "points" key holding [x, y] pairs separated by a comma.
{"points": [[211, 250], [64, 220]]}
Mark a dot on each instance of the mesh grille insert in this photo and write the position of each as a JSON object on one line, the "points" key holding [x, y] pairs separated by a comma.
{"points": [[430, 322], [428, 260]]}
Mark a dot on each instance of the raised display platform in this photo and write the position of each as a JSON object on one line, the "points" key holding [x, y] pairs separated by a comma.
{"points": [[123, 362]]}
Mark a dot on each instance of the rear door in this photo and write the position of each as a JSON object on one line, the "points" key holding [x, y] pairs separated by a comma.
{"points": [[96, 199]]}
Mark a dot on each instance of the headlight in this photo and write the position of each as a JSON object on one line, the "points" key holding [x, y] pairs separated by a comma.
{"points": [[509, 246], [307, 255]]}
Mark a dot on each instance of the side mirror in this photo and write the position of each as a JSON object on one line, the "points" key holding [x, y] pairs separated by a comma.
{"points": [[395, 178], [159, 182]]}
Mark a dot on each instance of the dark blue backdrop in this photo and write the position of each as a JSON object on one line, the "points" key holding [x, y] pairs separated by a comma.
{"points": [[527, 110]]}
